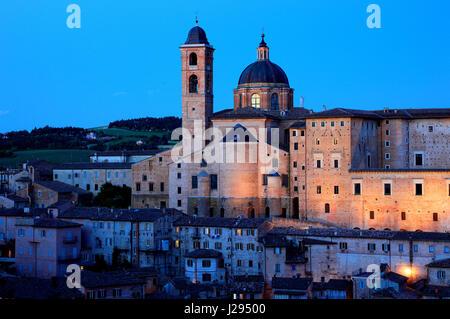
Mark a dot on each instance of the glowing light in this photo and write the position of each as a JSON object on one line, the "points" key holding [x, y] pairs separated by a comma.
{"points": [[407, 271]]}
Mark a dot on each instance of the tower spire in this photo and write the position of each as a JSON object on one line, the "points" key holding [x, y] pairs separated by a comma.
{"points": [[263, 49], [196, 18]]}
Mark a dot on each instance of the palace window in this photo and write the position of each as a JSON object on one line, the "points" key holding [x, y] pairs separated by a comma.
{"points": [[418, 189], [387, 189], [357, 189], [336, 190], [418, 159], [256, 101]]}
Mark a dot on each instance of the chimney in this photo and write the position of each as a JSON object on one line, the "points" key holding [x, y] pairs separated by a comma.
{"points": [[302, 101]]}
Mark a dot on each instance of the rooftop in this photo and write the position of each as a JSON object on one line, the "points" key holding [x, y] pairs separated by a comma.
{"points": [[291, 283], [61, 187], [204, 253], [443, 263], [96, 165], [219, 222], [357, 233], [108, 214]]}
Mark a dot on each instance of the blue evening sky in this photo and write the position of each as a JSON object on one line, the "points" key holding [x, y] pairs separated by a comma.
{"points": [[124, 62]]}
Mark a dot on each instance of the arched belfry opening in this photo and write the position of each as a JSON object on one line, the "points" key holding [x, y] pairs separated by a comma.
{"points": [[192, 59], [193, 84]]}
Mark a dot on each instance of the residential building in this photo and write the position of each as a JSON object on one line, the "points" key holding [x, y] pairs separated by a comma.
{"points": [[91, 176], [46, 246]]}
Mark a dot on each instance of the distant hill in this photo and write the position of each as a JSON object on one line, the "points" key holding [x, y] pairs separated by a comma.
{"points": [[53, 144], [168, 123]]}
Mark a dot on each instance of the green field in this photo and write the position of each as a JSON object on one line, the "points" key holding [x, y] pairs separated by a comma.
{"points": [[53, 156]]}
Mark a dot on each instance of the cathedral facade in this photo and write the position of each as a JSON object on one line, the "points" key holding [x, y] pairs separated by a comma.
{"points": [[379, 169]]}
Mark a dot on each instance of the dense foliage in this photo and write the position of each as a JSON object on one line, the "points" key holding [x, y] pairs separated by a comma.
{"points": [[168, 123], [113, 196]]}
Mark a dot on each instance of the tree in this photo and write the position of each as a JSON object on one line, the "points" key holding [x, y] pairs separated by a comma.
{"points": [[113, 196]]}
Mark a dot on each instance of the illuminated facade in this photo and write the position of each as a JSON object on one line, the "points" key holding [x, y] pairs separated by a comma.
{"points": [[380, 169]]}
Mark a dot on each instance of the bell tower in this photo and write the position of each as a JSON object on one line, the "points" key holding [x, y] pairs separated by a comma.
{"points": [[196, 80]]}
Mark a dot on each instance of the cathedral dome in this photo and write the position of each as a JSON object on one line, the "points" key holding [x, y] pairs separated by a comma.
{"points": [[263, 71], [197, 36]]}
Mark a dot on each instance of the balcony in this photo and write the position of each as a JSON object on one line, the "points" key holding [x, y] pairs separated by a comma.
{"points": [[70, 240]]}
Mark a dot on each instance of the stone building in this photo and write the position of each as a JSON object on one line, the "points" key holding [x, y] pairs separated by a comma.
{"points": [[237, 239], [141, 237], [407, 253], [132, 156], [205, 266], [46, 193], [91, 176], [267, 158], [46, 246]]}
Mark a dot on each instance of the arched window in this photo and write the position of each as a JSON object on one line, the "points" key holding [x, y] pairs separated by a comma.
{"points": [[193, 59], [274, 102], [327, 208], [193, 84], [256, 101]]}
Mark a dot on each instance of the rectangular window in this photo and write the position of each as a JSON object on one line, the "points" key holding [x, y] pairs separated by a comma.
{"points": [[435, 217], [285, 180], [179, 190], [264, 179], [319, 189], [419, 189], [302, 133], [313, 124], [357, 189], [138, 187], [161, 187], [343, 245], [150, 187], [387, 155], [372, 214], [403, 215], [213, 181], [371, 247], [336, 190], [387, 189], [430, 128], [342, 123], [332, 123], [194, 182], [387, 143], [400, 247], [295, 146], [178, 175], [418, 159], [294, 133], [386, 247], [388, 132], [431, 248], [318, 163], [336, 163], [294, 164]]}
